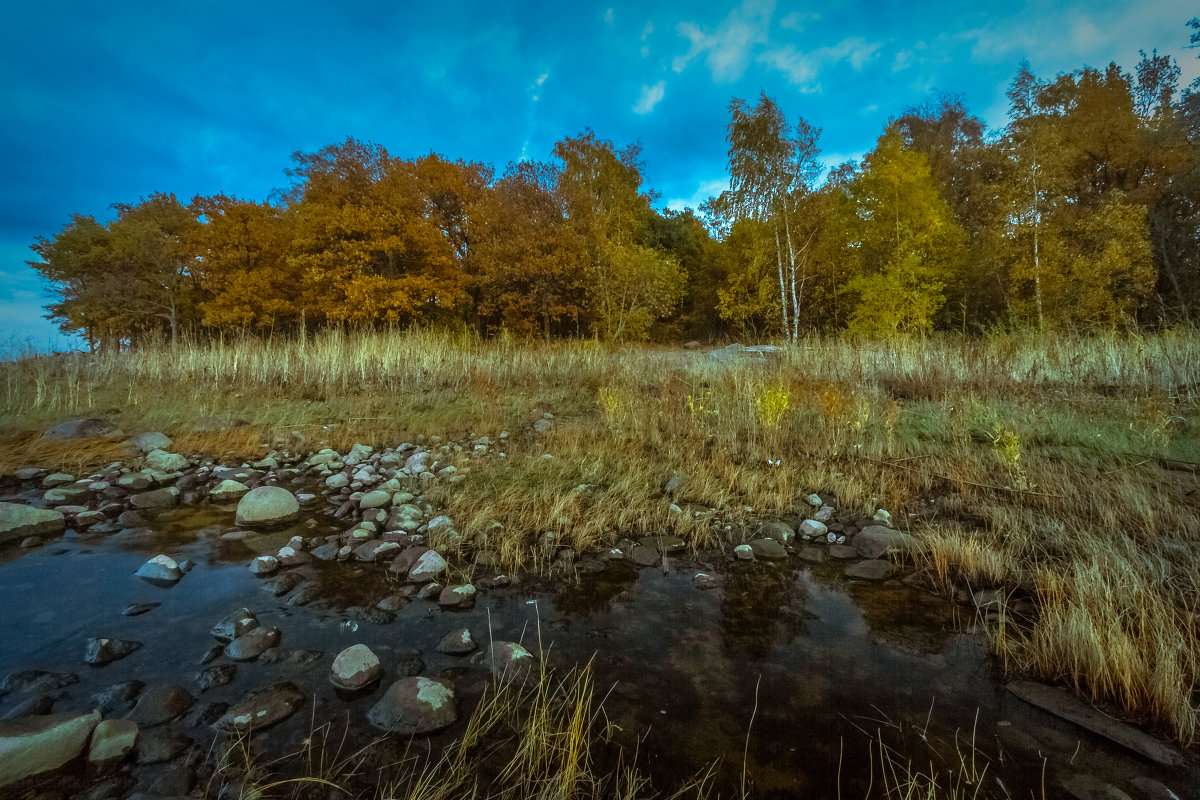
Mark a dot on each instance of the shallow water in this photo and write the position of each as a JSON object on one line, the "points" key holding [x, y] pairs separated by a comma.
{"points": [[787, 668]]}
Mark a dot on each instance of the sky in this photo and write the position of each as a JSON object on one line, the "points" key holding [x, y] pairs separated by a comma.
{"points": [[104, 103]]}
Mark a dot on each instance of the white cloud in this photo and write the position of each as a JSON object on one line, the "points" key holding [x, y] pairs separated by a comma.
{"points": [[651, 95], [903, 60], [535, 89], [608, 16], [795, 20], [706, 189], [803, 69], [728, 49], [646, 31]]}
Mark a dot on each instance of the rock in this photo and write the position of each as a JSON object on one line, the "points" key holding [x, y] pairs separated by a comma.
{"points": [[1061, 704], [101, 651], [374, 549], [457, 596], [82, 429], [456, 643], [261, 709], [874, 541], [212, 654], [227, 491], [234, 625], [33, 745], [779, 531], [375, 499], [282, 584], [842, 551], [1150, 789], [663, 543], [32, 707], [264, 565], [338, 480], [1086, 787], [147, 442], [167, 497], [304, 594], [355, 668], [813, 529], [289, 556], [883, 516], [27, 473], [160, 704], [392, 603], [171, 781], [326, 552], [542, 426], [414, 706], [768, 548], [645, 556], [18, 521], [217, 423], [162, 461], [743, 552], [267, 506], [57, 479], [68, 496], [508, 661], [212, 677], [428, 566], [252, 644], [376, 616], [703, 580], [33, 680], [160, 745], [814, 500], [137, 609], [112, 739], [875, 569], [119, 698], [162, 569]]}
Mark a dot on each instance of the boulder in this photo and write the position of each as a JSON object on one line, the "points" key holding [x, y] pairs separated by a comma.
{"points": [[874, 541], [162, 461], [355, 668], [167, 497], [264, 565], [148, 442], [112, 740], [82, 429], [768, 548], [261, 709], [227, 491], [252, 644], [457, 596], [813, 529], [17, 521], [160, 745], [160, 704], [509, 661], [427, 567], [414, 706], [33, 745], [267, 506], [779, 531], [162, 569], [101, 650], [456, 643], [234, 625], [375, 499]]}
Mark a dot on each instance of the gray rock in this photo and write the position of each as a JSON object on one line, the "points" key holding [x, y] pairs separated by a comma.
{"points": [[456, 643], [874, 541], [645, 556], [34, 680], [160, 704], [213, 677], [415, 706], [289, 556], [119, 698], [33, 745], [32, 707], [70, 495], [261, 709], [17, 521], [842, 551], [264, 565], [252, 644], [355, 668], [228, 491], [1150, 789], [509, 661], [160, 745], [703, 580], [326, 552], [457, 596], [102, 650], [112, 740], [338, 480], [813, 529], [768, 548], [375, 499], [1086, 787], [162, 461], [147, 442], [166, 497], [282, 584], [779, 531], [428, 566], [743, 552], [267, 506], [82, 429], [135, 481], [234, 625], [875, 569], [374, 549], [162, 569], [663, 543]]}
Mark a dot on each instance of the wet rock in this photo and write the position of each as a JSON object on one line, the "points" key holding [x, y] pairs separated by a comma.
{"points": [[161, 704], [160, 745], [212, 654], [457, 596], [1150, 789], [875, 569], [509, 661], [325, 552], [135, 482], [148, 442], [119, 698], [1086, 787], [743, 552], [101, 650], [171, 781], [33, 707], [375, 549], [112, 740], [162, 569], [842, 551], [1061, 704], [17, 521], [81, 429], [137, 609], [267, 506], [162, 461], [645, 556], [67, 497], [304, 594], [813, 529], [813, 554], [874, 541], [282, 584], [33, 745], [290, 556], [392, 603], [33, 680], [167, 497], [409, 665], [663, 543], [264, 565], [456, 643], [261, 709], [212, 677], [355, 668], [376, 616], [204, 714], [429, 591], [779, 531], [234, 625], [415, 706], [703, 580], [227, 491], [768, 548], [428, 566], [252, 644]]}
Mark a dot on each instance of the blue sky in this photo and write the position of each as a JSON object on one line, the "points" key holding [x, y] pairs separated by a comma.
{"points": [[107, 102]]}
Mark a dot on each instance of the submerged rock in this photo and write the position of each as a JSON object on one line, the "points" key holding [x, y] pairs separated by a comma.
{"points": [[17, 521], [875, 569], [261, 709], [414, 706], [33, 745]]}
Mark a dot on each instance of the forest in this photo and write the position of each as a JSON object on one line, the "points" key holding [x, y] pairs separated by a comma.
{"points": [[1081, 215]]}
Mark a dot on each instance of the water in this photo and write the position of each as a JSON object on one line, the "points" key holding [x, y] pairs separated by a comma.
{"points": [[787, 669]]}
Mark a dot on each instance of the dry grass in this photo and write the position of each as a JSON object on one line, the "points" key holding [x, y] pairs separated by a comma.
{"points": [[1061, 469]]}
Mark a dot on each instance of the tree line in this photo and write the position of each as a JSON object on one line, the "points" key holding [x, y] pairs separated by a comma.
{"points": [[1082, 214]]}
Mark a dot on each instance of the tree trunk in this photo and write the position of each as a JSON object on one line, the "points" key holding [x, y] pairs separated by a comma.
{"points": [[782, 286]]}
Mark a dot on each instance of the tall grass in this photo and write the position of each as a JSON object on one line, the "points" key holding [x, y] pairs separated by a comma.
{"points": [[1060, 469]]}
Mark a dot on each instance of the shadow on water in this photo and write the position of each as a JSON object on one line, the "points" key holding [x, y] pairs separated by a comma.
{"points": [[793, 665]]}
